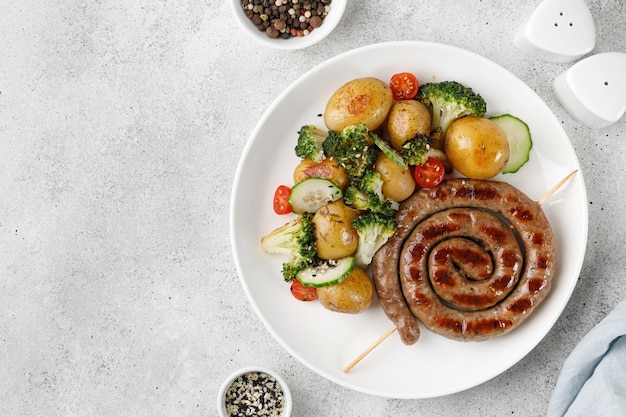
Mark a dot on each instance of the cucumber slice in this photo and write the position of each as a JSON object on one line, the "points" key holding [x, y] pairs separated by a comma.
{"points": [[520, 141], [388, 150], [310, 194], [327, 273]]}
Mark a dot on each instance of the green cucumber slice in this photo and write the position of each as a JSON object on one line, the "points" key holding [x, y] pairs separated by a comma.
{"points": [[388, 150], [310, 194], [520, 141], [327, 273]]}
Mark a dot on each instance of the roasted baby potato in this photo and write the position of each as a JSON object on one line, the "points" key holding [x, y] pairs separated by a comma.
{"points": [[363, 100], [477, 147], [407, 118], [335, 235], [398, 183], [352, 295], [328, 168]]}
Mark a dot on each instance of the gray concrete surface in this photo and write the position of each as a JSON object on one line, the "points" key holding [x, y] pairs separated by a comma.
{"points": [[121, 126]]}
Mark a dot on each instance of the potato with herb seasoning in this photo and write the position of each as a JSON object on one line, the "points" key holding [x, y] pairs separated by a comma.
{"points": [[362, 100], [335, 236], [398, 183], [353, 295], [407, 118]]}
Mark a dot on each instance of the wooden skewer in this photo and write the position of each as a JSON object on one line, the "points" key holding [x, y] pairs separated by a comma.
{"points": [[394, 328], [369, 349], [556, 187]]}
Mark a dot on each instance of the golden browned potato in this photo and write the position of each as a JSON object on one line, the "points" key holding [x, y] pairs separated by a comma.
{"points": [[407, 118], [398, 183], [362, 100], [327, 168], [477, 147], [352, 295], [335, 235]]}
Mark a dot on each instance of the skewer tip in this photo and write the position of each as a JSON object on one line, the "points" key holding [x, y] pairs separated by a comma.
{"points": [[556, 187], [369, 349]]}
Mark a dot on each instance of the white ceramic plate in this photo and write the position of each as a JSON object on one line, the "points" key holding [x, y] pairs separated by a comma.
{"points": [[325, 341]]}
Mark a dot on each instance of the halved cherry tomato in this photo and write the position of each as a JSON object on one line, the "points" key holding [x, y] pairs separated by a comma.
{"points": [[281, 200], [404, 86], [303, 293], [430, 173]]}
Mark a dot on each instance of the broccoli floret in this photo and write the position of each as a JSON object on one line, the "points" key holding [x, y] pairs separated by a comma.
{"points": [[356, 198], [356, 133], [372, 182], [366, 194], [374, 230], [310, 139], [352, 149], [414, 151], [296, 239], [450, 100]]}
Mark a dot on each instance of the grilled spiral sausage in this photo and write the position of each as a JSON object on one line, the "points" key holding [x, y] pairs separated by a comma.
{"points": [[471, 259]]}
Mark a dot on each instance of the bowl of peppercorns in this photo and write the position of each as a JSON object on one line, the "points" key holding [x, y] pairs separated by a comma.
{"points": [[254, 391], [288, 24]]}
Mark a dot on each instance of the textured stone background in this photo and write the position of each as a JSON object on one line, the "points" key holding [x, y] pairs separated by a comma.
{"points": [[121, 126]]}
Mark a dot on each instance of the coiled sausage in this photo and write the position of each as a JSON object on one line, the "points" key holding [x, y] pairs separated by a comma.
{"points": [[471, 259]]}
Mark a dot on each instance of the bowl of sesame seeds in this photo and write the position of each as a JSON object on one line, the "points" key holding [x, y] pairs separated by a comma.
{"points": [[254, 391], [288, 24]]}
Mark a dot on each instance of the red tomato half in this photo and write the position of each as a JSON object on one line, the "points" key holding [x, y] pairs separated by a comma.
{"points": [[404, 86], [430, 173], [303, 293], [281, 200]]}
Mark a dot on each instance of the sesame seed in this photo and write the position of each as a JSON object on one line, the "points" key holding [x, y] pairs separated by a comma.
{"points": [[255, 394]]}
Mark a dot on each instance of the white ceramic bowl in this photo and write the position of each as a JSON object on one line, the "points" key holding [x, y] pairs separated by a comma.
{"points": [[221, 396], [337, 8]]}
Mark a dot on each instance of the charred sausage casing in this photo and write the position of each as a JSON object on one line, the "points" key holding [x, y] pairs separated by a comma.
{"points": [[470, 260]]}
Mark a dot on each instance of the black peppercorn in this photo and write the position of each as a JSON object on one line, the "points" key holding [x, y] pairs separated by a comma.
{"points": [[284, 18]]}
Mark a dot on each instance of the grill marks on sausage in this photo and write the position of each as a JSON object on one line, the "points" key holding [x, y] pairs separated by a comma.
{"points": [[541, 262], [536, 285], [502, 284], [509, 258], [536, 238], [521, 213], [474, 326], [421, 299], [443, 278], [478, 262], [494, 234], [520, 306], [473, 301], [456, 257], [437, 230]]}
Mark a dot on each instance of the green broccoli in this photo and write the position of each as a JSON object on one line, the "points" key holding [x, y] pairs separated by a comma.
{"points": [[374, 230], [296, 239], [356, 198], [414, 151], [310, 140], [356, 133], [366, 194], [352, 149], [450, 100], [372, 182]]}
